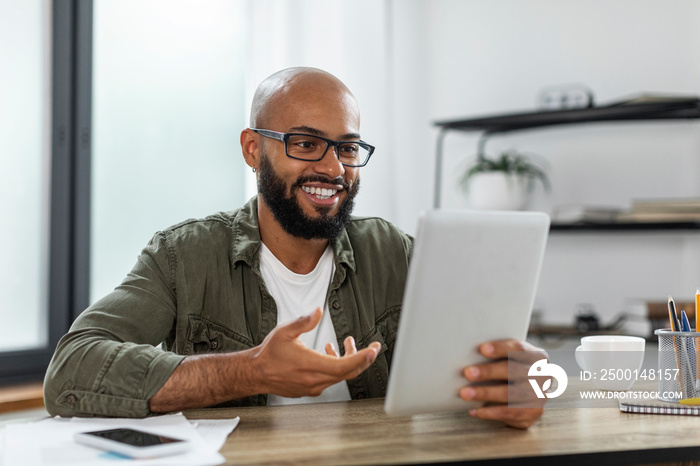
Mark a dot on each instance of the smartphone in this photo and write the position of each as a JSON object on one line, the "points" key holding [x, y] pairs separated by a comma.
{"points": [[133, 443]]}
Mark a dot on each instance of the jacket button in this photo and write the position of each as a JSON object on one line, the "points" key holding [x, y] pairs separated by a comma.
{"points": [[361, 396], [336, 304], [72, 399], [214, 344]]}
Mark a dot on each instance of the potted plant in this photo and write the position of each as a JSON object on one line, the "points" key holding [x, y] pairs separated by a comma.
{"points": [[503, 183]]}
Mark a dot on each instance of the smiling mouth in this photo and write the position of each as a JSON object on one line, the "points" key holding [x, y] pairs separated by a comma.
{"points": [[321, 193]]}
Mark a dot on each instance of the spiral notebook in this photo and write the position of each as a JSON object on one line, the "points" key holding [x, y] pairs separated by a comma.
{"points": [[658, 407]]}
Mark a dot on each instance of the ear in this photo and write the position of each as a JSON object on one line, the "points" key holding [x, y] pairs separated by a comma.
{"points": [[250, 146]]}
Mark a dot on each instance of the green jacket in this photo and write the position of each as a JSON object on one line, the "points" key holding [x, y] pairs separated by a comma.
{"points": [[197, 288]]}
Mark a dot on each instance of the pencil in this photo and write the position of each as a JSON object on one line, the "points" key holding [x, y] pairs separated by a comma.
{"points": [[697, 340]]}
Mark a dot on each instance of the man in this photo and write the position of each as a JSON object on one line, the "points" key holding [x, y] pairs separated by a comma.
{"points": [[229, 295]]}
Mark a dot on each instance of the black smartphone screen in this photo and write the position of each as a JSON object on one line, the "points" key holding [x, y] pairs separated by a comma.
{"points": [[133, 437]]}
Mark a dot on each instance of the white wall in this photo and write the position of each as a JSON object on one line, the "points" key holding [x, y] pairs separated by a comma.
{"points": [[348, 39], [467, 58], [411, 62]]}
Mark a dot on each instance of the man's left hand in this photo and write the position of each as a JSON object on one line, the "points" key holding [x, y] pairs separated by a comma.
{"points": [[497, 379]]}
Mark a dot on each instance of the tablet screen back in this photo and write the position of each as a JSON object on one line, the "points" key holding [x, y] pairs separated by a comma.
{"points": [[472, 278]]}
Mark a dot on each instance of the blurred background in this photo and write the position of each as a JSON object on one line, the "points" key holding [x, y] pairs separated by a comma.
{"points": [[119, 118]]}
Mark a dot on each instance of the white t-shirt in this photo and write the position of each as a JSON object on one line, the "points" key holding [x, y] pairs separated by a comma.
{"points": [[298, 295]]}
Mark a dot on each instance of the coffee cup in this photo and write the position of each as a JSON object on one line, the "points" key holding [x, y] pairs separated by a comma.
{"points": [[610, 362]]}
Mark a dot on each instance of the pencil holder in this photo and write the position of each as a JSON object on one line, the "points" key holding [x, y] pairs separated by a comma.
{"points": [[677, 372]]}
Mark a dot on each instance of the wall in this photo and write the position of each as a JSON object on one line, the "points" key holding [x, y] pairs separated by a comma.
{"points": [[348, 39], [479, 58]]}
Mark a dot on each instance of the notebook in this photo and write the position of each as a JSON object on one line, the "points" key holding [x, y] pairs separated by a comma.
{"points": [[472, 278], [658, 407]]}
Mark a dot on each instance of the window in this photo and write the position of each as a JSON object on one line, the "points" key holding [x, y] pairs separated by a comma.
{"points": [[90, 172], [168, 107], [24, 177], [36, 150]]}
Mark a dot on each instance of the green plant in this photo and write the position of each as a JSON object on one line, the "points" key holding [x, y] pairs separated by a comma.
{"points": [[510, 161]]}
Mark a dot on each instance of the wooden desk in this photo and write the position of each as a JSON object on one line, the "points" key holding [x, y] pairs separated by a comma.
{"points": [[358, 432], [20, 397]]}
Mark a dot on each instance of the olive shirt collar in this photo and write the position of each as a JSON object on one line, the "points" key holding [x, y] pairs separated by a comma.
{"points": [[246, 241]]}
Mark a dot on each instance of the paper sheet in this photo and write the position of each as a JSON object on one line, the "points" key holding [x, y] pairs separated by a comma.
{"points": [[50, 441], [214, 431]]}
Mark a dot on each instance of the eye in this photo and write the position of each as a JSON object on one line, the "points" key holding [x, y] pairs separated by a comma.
{"points": [[302, 143], [349, 148]]}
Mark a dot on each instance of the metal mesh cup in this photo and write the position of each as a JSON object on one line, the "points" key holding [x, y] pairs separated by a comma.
{"points": [[677, 365]]}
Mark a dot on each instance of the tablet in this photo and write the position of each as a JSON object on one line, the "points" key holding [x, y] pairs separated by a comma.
{"points": [[472, 278]]}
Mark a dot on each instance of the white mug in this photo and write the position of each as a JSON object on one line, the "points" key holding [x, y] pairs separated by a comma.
{"points": [[610, 362]]}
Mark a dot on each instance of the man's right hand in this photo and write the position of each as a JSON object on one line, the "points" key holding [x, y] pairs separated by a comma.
{"points": [[289, 368], [281, 365]]}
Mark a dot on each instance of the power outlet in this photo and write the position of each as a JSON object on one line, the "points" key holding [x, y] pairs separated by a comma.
{"points": [[565, 97]]}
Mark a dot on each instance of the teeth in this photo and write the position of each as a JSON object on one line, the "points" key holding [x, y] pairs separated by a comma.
{"points": [[321, 193]]}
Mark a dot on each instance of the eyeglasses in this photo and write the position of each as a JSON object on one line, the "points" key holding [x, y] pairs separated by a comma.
{"points": [[313, 148]]}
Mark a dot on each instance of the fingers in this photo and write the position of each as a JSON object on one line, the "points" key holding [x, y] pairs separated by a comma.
{"points": [[495, 393], [497, 370], [323, 371], [513, 394], [330, 350], [513, 361], [350, 365], [350, 347], [302, 324], [512, 348], [502, 371], [520, 418], [504, 386]]}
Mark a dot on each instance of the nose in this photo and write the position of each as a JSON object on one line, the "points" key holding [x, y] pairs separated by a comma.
{"points": [[330, 164]]}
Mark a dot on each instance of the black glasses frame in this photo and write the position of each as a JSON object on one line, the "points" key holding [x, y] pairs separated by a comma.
{"points": [[284, 137]]}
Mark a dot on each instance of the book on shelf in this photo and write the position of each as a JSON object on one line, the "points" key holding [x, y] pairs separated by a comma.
{"points": [[672, 210], [654, 98], [576, 213], [676, 205], [659, 217]]}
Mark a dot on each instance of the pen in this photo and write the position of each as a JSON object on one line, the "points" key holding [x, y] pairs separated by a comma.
{"points": [[675, 327], [673, 316], [688, 354], [685, 323]]}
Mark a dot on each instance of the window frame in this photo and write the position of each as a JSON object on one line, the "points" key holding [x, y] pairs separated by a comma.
{"points": [[69, 227]]}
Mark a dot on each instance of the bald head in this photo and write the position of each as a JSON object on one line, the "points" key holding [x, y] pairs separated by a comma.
{"points": [[298, 86]]}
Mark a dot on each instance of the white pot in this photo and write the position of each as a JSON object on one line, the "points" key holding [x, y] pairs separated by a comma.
{"points": [[499, 191]]}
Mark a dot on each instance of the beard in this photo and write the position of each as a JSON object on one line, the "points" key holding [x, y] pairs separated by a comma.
{"points": [[289, 214]]}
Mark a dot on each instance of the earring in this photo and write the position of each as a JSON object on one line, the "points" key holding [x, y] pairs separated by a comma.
{"points": [[254, 170]]}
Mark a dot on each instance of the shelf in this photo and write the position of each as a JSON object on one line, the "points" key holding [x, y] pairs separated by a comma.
{"points": [[630, 227], [670, 110], [673, 109]]}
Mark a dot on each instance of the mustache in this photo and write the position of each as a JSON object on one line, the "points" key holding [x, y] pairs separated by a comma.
{"points": [[321, 179]]}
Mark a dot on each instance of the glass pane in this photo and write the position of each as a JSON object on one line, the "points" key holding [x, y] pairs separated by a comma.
{"points": [[168, 107], [24, 176]]}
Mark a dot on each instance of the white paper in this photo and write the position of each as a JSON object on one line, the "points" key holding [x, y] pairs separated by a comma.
{"points": [[50, 442], [2, 445], [214, 431]]}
